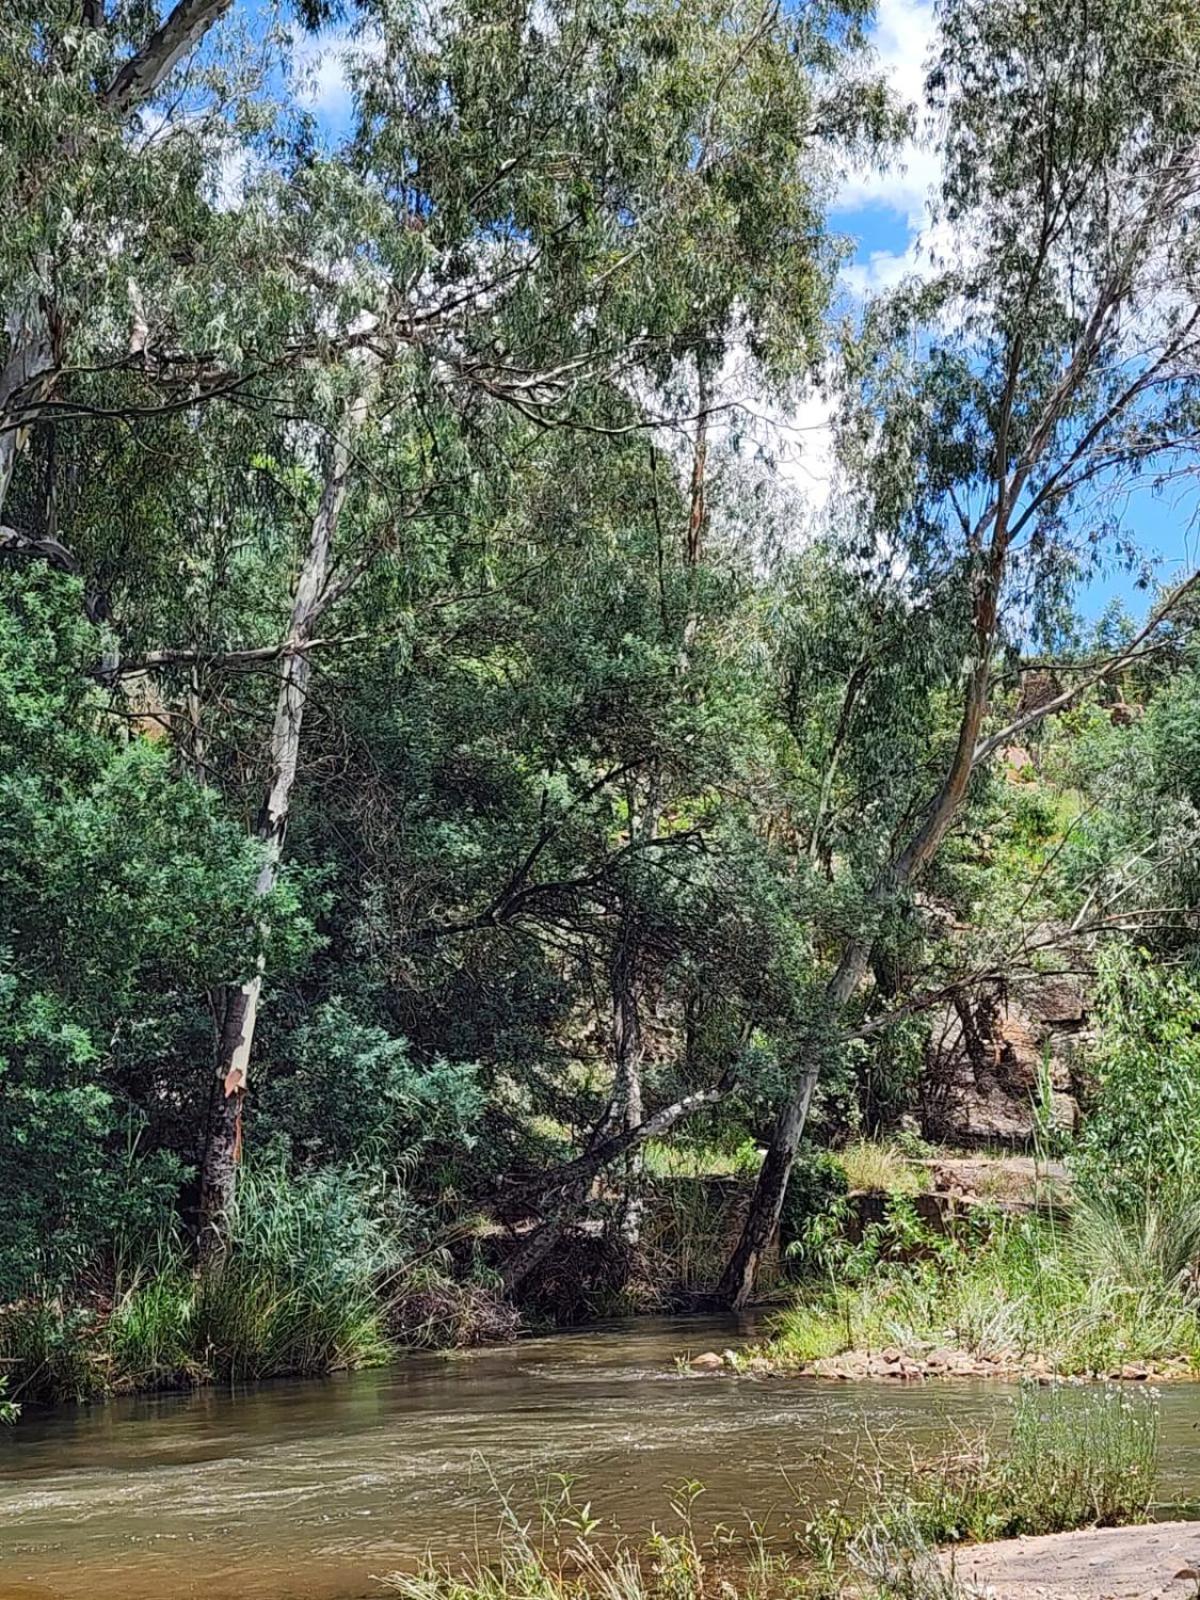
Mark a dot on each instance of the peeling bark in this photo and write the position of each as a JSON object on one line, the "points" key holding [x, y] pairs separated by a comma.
{"points": [[627, 1087], [223, 1144]]}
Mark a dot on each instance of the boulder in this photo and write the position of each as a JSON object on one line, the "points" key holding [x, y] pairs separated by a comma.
{"points": [[985, 1058], [710, 1361]]}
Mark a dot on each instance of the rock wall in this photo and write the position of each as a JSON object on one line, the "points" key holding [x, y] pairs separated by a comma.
{"points": [[985, 1057]]}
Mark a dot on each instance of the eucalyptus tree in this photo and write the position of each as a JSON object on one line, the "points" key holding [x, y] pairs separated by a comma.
{"points": [[994, 415], [484, 777], [537, 205]]}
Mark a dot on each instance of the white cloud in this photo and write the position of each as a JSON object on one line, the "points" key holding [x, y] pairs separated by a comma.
{"points": [[801, 440], [322, 66], [902, 37]]}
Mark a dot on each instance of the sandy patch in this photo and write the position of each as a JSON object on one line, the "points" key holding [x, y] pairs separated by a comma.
{"points": [[1160, 1559]]}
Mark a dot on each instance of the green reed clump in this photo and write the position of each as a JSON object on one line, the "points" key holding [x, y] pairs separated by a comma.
{"points": [[305, 1283], [51, 1351], [151, 1332], [302, 1284]]}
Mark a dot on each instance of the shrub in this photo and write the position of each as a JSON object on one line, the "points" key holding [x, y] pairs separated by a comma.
{"points": [[815, 1191], [1143, 1127], [385, 1104], [52, 1352]]}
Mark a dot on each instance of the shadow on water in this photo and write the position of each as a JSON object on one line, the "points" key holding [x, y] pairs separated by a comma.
{"points": [[305, 1490]]}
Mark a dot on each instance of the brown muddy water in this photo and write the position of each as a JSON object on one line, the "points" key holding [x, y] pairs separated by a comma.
{"points": [[309, 1490]]}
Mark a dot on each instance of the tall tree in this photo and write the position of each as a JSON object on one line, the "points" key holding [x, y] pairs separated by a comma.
{"points": [[1006, 404]]}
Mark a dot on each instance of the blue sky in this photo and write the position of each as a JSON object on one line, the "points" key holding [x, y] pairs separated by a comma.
{"points": [[885, 216]]}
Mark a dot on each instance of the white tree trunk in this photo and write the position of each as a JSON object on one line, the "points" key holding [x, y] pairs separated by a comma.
{"points": [[309, 600]]}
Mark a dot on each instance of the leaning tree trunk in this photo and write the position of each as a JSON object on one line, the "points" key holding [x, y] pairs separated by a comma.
{"points": [[766, 1204], [224, 1135], [741, 1273]]}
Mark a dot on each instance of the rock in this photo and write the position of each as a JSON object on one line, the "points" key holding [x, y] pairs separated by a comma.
{"points": [[1057, 999], [710, 1361], [985, 1062], [1135, 1372]]}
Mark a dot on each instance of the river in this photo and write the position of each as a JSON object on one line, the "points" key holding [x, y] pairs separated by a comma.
{"points": [[307, 1490]]}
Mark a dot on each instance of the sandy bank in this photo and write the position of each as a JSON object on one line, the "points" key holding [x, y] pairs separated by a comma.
{"points": [[1159, 1559]]}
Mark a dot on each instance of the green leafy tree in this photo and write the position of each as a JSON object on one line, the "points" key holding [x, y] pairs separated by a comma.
{"points": [[998, 408]]}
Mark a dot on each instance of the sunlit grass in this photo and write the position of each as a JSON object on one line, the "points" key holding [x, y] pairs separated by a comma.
{"points": [[879, 1167], [1086, 1299], [666, 1160]]}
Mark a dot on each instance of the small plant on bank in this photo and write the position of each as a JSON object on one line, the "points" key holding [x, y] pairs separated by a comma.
{"points": [[1072, 1457]]}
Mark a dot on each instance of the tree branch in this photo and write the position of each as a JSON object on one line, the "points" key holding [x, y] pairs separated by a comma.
{"points": [[988, 747], [144, 73]]}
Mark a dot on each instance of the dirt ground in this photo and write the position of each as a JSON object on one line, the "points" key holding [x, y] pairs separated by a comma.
{"points": [[1161, 1559]]}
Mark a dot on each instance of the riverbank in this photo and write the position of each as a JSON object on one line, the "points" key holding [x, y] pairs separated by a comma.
{"points": [[1086, 1291], [1160, 1559]]}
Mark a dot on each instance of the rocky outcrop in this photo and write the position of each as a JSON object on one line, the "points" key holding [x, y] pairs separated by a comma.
{"points": [[985, 1059]]}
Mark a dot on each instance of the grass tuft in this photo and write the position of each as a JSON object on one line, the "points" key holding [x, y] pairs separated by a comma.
{"points": [[880, 1167]]}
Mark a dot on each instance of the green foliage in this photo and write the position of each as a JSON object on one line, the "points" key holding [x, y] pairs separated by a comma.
{"points": [[349, 1091], [1021, 1293], [123, 893], [813, 1209], [316, 1265], [551, 710], [1141, 1134]]}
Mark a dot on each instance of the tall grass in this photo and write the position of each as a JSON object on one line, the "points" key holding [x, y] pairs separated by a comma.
{"points": [[663, 1159], [306, 1285], [1086, 1299], [303, 1285], [51, 1351], [881, 1167]]}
